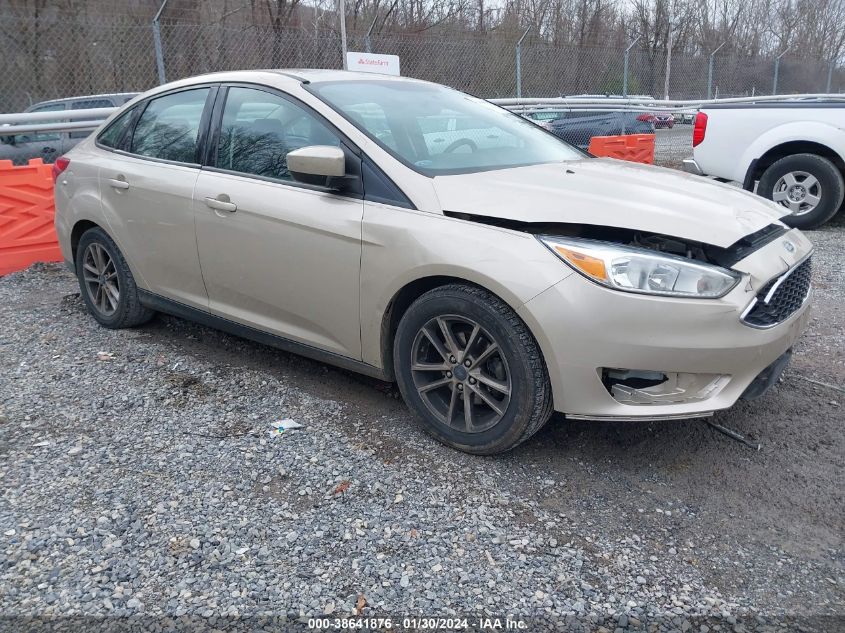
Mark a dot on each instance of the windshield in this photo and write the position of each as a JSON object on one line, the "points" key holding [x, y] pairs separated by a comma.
{"points": [[436, 130]]}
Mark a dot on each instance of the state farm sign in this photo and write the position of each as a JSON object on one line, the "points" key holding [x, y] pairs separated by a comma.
{"points": [[372, 63]]}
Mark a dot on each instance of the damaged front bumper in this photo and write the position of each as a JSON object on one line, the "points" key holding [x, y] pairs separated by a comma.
{"points": [[767, 378], [623, 356]]}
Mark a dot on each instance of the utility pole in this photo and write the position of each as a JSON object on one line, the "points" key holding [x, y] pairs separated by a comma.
{"points": [[777, 68], [710, 72], [625, 71], [342, 14], [668, 54], [519, 64]]}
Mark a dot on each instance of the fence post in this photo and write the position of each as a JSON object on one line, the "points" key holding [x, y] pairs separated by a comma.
{"points": [[777, 68], [519, 64], [668, 54], [710, 71], [367, 43], [830, 75], [625, 71], [342, 14], [157, 42]]}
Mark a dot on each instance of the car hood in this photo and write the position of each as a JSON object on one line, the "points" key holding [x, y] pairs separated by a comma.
{"points": [[609, 192]]}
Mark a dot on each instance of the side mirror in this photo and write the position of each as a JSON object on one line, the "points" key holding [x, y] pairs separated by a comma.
{"points": [[321, 165]]}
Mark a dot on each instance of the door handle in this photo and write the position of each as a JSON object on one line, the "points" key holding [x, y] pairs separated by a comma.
{"points": [[118, 183], [221, 205]]}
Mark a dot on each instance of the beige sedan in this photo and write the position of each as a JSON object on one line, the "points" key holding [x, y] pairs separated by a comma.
{"points": [[408, 231]]}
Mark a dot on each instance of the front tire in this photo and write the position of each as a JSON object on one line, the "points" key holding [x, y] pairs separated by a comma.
{"points": [[810, 187], [106, 283], [469, 368]]}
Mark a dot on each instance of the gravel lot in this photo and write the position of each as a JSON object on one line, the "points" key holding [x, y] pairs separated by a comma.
{"points": [[672, 145], [139, 479]]}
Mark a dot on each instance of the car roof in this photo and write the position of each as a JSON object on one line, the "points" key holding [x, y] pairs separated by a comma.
{"points": [[292, 75], [278, 77], [313, 75]]}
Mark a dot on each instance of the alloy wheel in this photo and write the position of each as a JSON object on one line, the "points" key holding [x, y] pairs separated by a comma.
{"points": [[461, 373], [798, 191], [101, 280]]}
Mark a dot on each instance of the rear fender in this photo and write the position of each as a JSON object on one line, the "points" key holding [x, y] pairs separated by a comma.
{"points": [[829, 135]]}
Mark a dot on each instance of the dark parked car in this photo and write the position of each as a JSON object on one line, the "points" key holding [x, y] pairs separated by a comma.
{"points": [[579, 126], [19, 148]]}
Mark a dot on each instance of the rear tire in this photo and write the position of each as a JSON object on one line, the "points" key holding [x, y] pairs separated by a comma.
{"points": [[809, 186], [490, 366], [106, 283]]}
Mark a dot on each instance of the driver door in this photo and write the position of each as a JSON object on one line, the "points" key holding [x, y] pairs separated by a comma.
{"points": [[275, 254]]}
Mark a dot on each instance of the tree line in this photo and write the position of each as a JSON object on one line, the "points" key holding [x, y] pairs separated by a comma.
{"points": [[807, 29]]}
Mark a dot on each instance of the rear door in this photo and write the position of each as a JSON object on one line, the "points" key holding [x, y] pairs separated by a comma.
{"points": [[278, 255], [146, 185]]}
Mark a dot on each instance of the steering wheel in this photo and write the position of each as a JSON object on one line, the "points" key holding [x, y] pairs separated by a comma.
{"points": [[460, 143]]}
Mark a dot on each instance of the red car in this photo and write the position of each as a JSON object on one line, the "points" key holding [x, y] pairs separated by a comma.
{"points": [[664, 119]]}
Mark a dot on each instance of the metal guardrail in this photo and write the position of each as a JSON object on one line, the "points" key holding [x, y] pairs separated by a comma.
{"points": [[646, 104], [71, 121], [90, 119]]}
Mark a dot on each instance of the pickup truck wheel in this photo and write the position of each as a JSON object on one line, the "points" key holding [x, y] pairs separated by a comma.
{"points": [[809, 186]]}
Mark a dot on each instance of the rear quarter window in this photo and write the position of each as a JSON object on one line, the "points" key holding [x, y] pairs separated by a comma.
{"points": [[115, 135]]}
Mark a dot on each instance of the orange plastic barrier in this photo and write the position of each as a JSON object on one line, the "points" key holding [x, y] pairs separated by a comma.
{"points": [[638, 148], [26, 216]]}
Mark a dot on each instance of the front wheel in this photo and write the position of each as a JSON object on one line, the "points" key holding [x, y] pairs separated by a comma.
{"points": [[467, 365], [809, 186]]}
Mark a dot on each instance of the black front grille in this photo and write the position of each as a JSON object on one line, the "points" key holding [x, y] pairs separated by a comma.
{"points": [[787, 298]]}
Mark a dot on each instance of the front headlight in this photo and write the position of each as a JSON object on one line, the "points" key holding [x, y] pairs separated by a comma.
{"points": [[641, 270]]}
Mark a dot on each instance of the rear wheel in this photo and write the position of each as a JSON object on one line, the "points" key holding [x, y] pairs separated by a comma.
{"points": [[107, 285], [810, 187], [467, 365]]}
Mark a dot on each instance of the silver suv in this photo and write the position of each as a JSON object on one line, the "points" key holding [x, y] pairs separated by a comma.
{"points": [[19, 148]]}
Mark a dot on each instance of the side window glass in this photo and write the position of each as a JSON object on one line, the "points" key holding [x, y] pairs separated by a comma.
{"points": [[114, 135], [87, 104], [169, 126], [259, 129]]}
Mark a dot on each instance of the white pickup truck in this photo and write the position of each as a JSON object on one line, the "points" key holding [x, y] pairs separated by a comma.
{"points": [[792, 152]]}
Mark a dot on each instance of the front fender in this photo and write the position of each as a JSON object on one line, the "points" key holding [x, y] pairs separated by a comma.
{"points": [[402, 246]]}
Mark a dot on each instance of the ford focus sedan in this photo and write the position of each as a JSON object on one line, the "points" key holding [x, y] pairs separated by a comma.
{"points": [[413, 233]]}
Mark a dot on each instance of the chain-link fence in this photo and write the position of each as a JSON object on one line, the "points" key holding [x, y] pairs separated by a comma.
{"points": [[54, 58], [47, 59]]}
